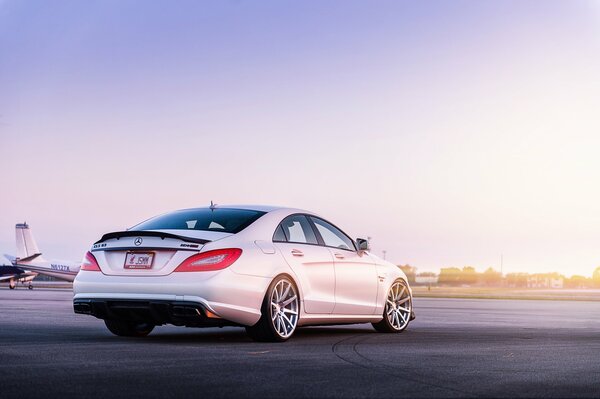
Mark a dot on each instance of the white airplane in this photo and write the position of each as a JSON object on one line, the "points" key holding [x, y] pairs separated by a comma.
{"points": [[29, 259]]}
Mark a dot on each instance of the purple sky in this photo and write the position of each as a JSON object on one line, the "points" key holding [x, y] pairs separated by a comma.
{"points": [[450, 131]]}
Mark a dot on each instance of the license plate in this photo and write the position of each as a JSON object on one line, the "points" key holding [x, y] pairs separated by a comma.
{"points": [[139, 260]]}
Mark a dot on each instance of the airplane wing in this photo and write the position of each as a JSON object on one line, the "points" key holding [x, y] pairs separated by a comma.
{"points": [[11, 272], [16, 276]]}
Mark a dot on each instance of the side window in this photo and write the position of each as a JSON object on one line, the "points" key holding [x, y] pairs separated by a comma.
{"points": [[332, 236], [296, 228], [279, 235]]}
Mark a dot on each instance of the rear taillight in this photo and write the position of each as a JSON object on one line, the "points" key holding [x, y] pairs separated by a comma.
{"points": [[90, 263], [210, 261]]}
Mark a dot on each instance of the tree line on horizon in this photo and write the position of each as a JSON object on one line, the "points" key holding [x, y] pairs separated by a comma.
{"points": [[467, 275]]}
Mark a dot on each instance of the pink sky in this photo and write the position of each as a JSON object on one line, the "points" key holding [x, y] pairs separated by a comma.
{"points": [[450, 132]]}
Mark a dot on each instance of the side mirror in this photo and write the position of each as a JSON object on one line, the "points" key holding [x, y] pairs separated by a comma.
{"points": [[362, 244]]}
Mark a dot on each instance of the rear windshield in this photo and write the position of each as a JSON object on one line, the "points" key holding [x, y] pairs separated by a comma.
{"points": [[222, 220]]}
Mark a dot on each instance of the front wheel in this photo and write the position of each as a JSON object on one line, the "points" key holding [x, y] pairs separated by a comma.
{"points": [[280, 310], [128, 328], [398, 309]]}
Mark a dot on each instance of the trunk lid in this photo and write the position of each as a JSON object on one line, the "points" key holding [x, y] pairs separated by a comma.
{"points": [[123, 253]]}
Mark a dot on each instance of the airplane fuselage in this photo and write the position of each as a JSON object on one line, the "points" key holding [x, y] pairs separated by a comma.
{"points": [[58, 269]]}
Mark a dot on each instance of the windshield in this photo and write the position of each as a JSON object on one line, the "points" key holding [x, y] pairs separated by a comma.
{"points": [[221, 220]]}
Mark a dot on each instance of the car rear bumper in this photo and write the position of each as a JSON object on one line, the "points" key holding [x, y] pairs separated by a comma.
{"points": [[180, 313], [232, 297]]}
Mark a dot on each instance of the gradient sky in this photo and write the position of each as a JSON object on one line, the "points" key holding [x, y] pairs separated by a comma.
{"points": [[449, 131]]}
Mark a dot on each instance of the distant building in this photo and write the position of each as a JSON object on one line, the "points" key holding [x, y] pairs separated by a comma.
{"points": [[557, 282], [426, 278], [545, 280], [517, 280]]}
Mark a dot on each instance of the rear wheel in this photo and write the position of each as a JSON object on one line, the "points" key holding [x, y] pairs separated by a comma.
{"points": [[280, 310], [128, 328], [398, 309]]}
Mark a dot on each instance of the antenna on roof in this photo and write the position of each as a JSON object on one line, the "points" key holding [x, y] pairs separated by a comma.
{"points": [[212, 205]]}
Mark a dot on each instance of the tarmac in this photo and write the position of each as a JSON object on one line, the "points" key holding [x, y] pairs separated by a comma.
{"points": [[455, 348]]}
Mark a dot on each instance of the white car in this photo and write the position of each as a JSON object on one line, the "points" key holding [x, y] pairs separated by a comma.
{"points": [[268, 269]]}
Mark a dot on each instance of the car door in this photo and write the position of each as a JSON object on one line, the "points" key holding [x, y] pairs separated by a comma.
{"points": [[312, 263], [356, 280]]}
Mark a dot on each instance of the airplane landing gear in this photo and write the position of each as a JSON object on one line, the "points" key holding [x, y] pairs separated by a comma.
{"points": [[30, 287]]}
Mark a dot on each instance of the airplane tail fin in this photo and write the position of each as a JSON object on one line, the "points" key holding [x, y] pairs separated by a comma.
{"points": [[26, 246]]}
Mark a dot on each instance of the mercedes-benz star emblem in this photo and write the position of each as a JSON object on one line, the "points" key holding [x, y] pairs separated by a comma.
{"points": [[138, 241]]}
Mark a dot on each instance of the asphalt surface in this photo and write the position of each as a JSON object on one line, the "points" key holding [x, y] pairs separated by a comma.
{"points": [[455, 348]]}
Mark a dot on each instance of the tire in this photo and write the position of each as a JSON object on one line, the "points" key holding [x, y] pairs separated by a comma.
{"points": [[12, 287], [279, 312], [398, 309], [128, 328]]}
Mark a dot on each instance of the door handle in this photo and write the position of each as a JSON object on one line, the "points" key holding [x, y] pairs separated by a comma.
{"points": [[339, 256], [296, 252]]}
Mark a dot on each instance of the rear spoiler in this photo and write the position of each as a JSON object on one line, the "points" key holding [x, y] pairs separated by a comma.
{"points": [[143, 233]]}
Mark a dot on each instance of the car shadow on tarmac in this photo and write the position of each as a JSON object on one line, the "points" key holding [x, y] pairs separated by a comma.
{"points": [[238, 335]]}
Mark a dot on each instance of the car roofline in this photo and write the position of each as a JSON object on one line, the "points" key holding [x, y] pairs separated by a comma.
{"points": [[260, 208]]}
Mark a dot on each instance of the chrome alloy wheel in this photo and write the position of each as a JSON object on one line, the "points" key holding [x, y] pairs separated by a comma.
{"points": [[284, 308], [399, 306]]}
